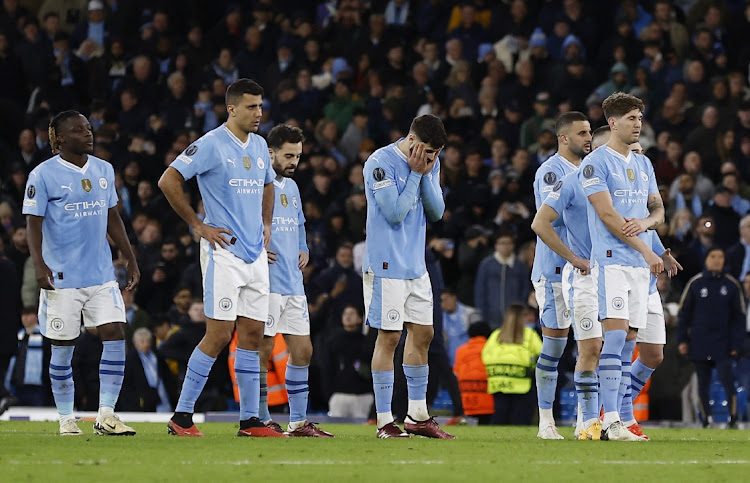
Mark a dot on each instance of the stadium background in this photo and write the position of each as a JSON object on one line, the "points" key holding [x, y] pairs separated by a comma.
{"points": [[353, 74]]}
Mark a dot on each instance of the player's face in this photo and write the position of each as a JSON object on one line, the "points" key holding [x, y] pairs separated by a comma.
{"points": [[578, 137], [76, 136], [286, 159], [247, 112], [430, 151], [628, 127]]}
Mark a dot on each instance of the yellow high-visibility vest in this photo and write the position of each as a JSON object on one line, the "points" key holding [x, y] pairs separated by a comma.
{"points": [[510, 366]]}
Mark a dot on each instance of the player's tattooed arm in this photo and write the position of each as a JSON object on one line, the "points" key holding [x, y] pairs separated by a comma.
{"points": [[636, 226]]}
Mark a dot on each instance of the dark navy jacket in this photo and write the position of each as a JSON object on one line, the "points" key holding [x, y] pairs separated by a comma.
{"points": [[712, 316]]}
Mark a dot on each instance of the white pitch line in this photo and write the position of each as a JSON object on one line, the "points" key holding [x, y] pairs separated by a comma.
{"points": [[651, 462]]}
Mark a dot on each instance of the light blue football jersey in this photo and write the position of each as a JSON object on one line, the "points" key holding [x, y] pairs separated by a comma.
{"points": [[630, 180], [546, 262], [658, 247], [396, 250], [74, 203], [568, 200], [231, 177], [287, 238]]}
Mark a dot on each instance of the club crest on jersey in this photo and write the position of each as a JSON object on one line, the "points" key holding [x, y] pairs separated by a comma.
{"points": [[246, 162], [704, 292], [294, 202], [103, 183], [86, 184], [284, 200], [723, 290], [588, 171], [644, 176], [260, 162], [631, 175], [550, 178]]}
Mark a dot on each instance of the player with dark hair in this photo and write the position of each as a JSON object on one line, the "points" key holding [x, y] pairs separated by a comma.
{"points": [[624, 203], [402, 185], [234, 175], [574, 141], [287, 314], [71, 206]]}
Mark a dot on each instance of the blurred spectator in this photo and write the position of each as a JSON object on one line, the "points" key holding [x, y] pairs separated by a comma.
{"points": [[346, 375], [509, 356], [30, 373], [693, 166], [725, 217], [738, 255], [471, 251], [135, 317], [501, 280], [148, 385], [457, 318], [340, 284], [472, 374]]}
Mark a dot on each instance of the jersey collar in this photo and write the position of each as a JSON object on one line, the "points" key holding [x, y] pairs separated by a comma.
{"points": [[398, 151], [565, 161], [615, 153], [236, 139], [72, 166], [279, 184]]}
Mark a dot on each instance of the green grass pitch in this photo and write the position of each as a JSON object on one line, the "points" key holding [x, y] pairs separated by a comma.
{"points": [[32, 451]]}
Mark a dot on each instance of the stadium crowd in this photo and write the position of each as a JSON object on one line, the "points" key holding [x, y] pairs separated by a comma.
{"points": [[151, 77]]}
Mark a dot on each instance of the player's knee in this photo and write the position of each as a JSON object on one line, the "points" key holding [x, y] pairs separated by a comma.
{"points": [[388, 340], [422, 336], [301, 356], [112, 331], [652, 358]]}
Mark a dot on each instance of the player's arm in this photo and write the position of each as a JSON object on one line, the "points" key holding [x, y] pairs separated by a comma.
{"points": [[304, 252], [430, 192], [394, 205], [44, 276], [116, 230], [170, 184], [602, 203], [542, 226], [671, 265], [635, 226], [267, 213]]}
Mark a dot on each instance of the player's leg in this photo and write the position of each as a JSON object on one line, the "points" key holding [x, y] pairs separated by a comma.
{"points": [[266, 349], [418, 317], [104, 310], [612, 285], [379, 301], [60, 321], [555, 319], [222, 279]]}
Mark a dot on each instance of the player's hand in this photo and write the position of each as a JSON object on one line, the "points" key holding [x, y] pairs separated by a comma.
{"points": [[655, 263], [671, 266], [635, 226], [304, 258], [266, 236], [417, 158], [683, 348], [134, 276], [213, 235], [273, 257], [582, 265], [44, 277], [430, 164]]}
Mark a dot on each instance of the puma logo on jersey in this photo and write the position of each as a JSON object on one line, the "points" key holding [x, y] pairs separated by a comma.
{"points": [[231, 161], [69, 187]]}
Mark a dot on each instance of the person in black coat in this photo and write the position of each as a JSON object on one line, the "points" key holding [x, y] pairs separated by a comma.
{"points": [[148, 385], [712, 328], [10, 323]]}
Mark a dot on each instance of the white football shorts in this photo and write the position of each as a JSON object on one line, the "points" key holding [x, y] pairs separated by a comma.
{"points": [[389, 302], [60, 310], [580, 296], [287, 314]]}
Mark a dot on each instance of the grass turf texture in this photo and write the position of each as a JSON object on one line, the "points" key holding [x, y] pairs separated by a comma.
{"points": [[31, 451]]}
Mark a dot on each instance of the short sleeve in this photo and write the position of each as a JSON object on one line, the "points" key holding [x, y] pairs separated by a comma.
{"points": [[111, 189], [36, 197], [270, 172], [653, 188], [593, 176], [560, 196], [196, 159], [301, 213]]}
